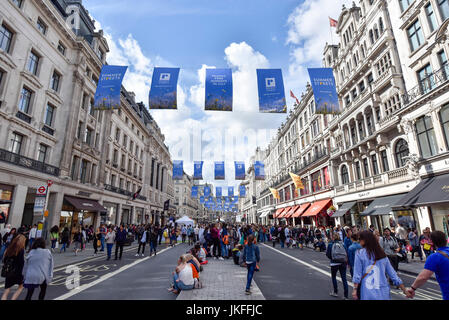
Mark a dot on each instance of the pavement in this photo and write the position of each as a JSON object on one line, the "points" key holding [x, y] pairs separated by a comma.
{"points": [[223, 280]]}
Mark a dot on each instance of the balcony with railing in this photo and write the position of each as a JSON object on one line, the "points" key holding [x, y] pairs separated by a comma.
{"points": [[18, 160], [121, 191]]}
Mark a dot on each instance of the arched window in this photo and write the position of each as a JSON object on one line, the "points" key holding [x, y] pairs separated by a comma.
{"points": [[401, 151], [344, 175]]}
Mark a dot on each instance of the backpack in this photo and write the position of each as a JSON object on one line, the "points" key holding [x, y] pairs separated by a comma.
{"points": [[226, 240], [339, 253], [8, 267]]}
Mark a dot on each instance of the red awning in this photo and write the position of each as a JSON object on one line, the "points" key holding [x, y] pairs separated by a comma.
{"points": [[278, 212], [317, 207], [291, 211], [285, 212], [302, 208]]}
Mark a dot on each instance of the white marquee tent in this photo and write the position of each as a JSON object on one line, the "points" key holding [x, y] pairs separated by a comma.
{"points": [[185, 220]]}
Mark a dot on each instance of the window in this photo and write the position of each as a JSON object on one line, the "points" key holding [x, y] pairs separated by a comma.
{"points": [[401, 152], [42, 153], [344, 175], [381, 25], [80, 128], [369, 124], [55, 80], [366, 167], [358, 171], [347, 100], [83, 171], [18, 3], [425, 79], [33, 63], [88, 136], [113, 180], [354, 93], [49, 114], [91, 107], [16, 143], [5, 38], [125, 140], [375, 164], [41, 26], [115, 156], [383, 65], [370, 78], [430, 17], [25, 100], [74, 166], [362, 86], [371, 36], [444, 118], [392, 104], [426, 137], [444, 9], [384, 158], [316, 181], [415, 35], [117, 134], [61, 48], [405, 4]]}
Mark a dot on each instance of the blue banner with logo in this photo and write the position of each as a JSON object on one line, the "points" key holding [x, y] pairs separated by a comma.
{"points": [[271, 91], [178, 170], [242, 191], [207, 192], [218, 192], [219, 89], [324, 90], [194, 193], [202, 200], [259, 170], [163, 93], [198, 170], [235, 200], [219, 170], [230, 191], [107, 96], [239, 170]]}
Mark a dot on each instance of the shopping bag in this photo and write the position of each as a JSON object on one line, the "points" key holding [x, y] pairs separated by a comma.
{"points": [[57, 245]]}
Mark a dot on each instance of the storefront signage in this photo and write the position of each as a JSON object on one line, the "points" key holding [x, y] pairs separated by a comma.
{"points": [[84, 194], [445, 189], [363, 194], [39, 205]]}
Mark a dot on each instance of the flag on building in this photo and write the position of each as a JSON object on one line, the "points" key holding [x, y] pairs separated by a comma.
{"points": [[297, 181], [294, 97], [275, 193], [137, 193], [333, 23]]}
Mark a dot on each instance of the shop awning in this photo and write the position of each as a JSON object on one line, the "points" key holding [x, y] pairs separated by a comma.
{"points": [[278, 212], [382, 206], [284, 213], [317, 207], [85, 204], [302, 208], [291, 211], [343, 209], [429, 191], [264, 214]]}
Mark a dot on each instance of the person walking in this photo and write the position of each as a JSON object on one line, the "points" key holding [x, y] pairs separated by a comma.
{"points": [[32, 236], [414, 243], [215, 241], [64, 239], [251, 255], [338, 257], [282, 237], [7, 239], [153, 240], [54, 237], [370, 269], [96, 242], [352, 250], [438, 264], [120, 239], [426, 242], [110, 239], [38, 269], [183, 234], [13, 262], [143, 235], [103, 232], [78, 241], [390, 247]]}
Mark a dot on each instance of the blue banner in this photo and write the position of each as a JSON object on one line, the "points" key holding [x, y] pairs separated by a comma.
{"points": [[242, 191], [194, 193], [240, 170], [107, 96], [219, 89], [218, 192], [259, 170], [324, 91], [227, 200], [198, 170], [207, 192], [271, 91], [230, 191], [202, 200], [163, 91], [236, 199], [178, 170], [219, 170]]}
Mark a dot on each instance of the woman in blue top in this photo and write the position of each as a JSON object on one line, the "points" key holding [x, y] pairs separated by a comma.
{"points": [[370, 269], [251, 256]]}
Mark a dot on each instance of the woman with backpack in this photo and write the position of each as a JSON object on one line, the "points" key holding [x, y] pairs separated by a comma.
{"points": [[64, 239], [338, 257], [13, 262], [371, 268], [251, 256], [38, 269]]}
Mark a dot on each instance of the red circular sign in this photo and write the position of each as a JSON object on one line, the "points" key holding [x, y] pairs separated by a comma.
{"points": [[41, 189]]}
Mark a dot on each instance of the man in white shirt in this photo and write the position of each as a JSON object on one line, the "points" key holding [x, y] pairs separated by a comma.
{"points": [[201, 235], [196, 230], [32, 235], [401, 234]]}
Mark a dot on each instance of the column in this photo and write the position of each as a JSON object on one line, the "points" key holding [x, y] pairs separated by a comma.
{"points": [[17, 206], [365, 121], [118, 216], [439, 134], [133, 215], [357, 129], [54, 208]]}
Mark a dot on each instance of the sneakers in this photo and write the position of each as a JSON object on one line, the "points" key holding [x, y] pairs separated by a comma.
{"points": [[333, 294], [220, 258], [136, 255], [247, 292], [142, 255]]}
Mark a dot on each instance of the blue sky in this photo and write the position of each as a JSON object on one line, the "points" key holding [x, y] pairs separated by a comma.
{"points": [[198, 34]]}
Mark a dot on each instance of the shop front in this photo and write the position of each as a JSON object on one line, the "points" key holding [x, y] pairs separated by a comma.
{"points": [[318, 213], [298, 212], [126, 215], [344, 213], [139, 216], [6, 194], [110, 218], [380, 211], [79, 212]]}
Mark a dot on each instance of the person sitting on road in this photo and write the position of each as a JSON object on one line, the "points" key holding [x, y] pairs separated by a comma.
{"points": [[182, 277]]}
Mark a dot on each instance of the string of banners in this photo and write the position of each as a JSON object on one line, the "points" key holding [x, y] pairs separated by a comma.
{"points": [[219, 202], [219, 170], [219, 89]]}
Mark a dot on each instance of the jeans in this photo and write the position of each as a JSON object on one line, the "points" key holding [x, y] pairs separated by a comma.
{"points": [[41, 293], [216, 244], [2, 251], [64, 247], [53, 244], [160, 238], [251, 268], [224, 250], [109, 248], [153, 247], [342, 269], [102, 243], [180, 285], [30, 243], [141, 245], [417, 249], [282, 243]]}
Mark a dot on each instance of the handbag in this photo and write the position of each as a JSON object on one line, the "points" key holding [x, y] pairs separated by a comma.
{"points": [[427, 246], [359, 287]]}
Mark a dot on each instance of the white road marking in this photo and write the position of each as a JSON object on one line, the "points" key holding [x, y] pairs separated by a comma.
{"points": [[104, 277]]}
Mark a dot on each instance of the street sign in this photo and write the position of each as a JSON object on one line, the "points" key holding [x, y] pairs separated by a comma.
{"points": [[39, 205], [41, 191], [49, 183]]}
